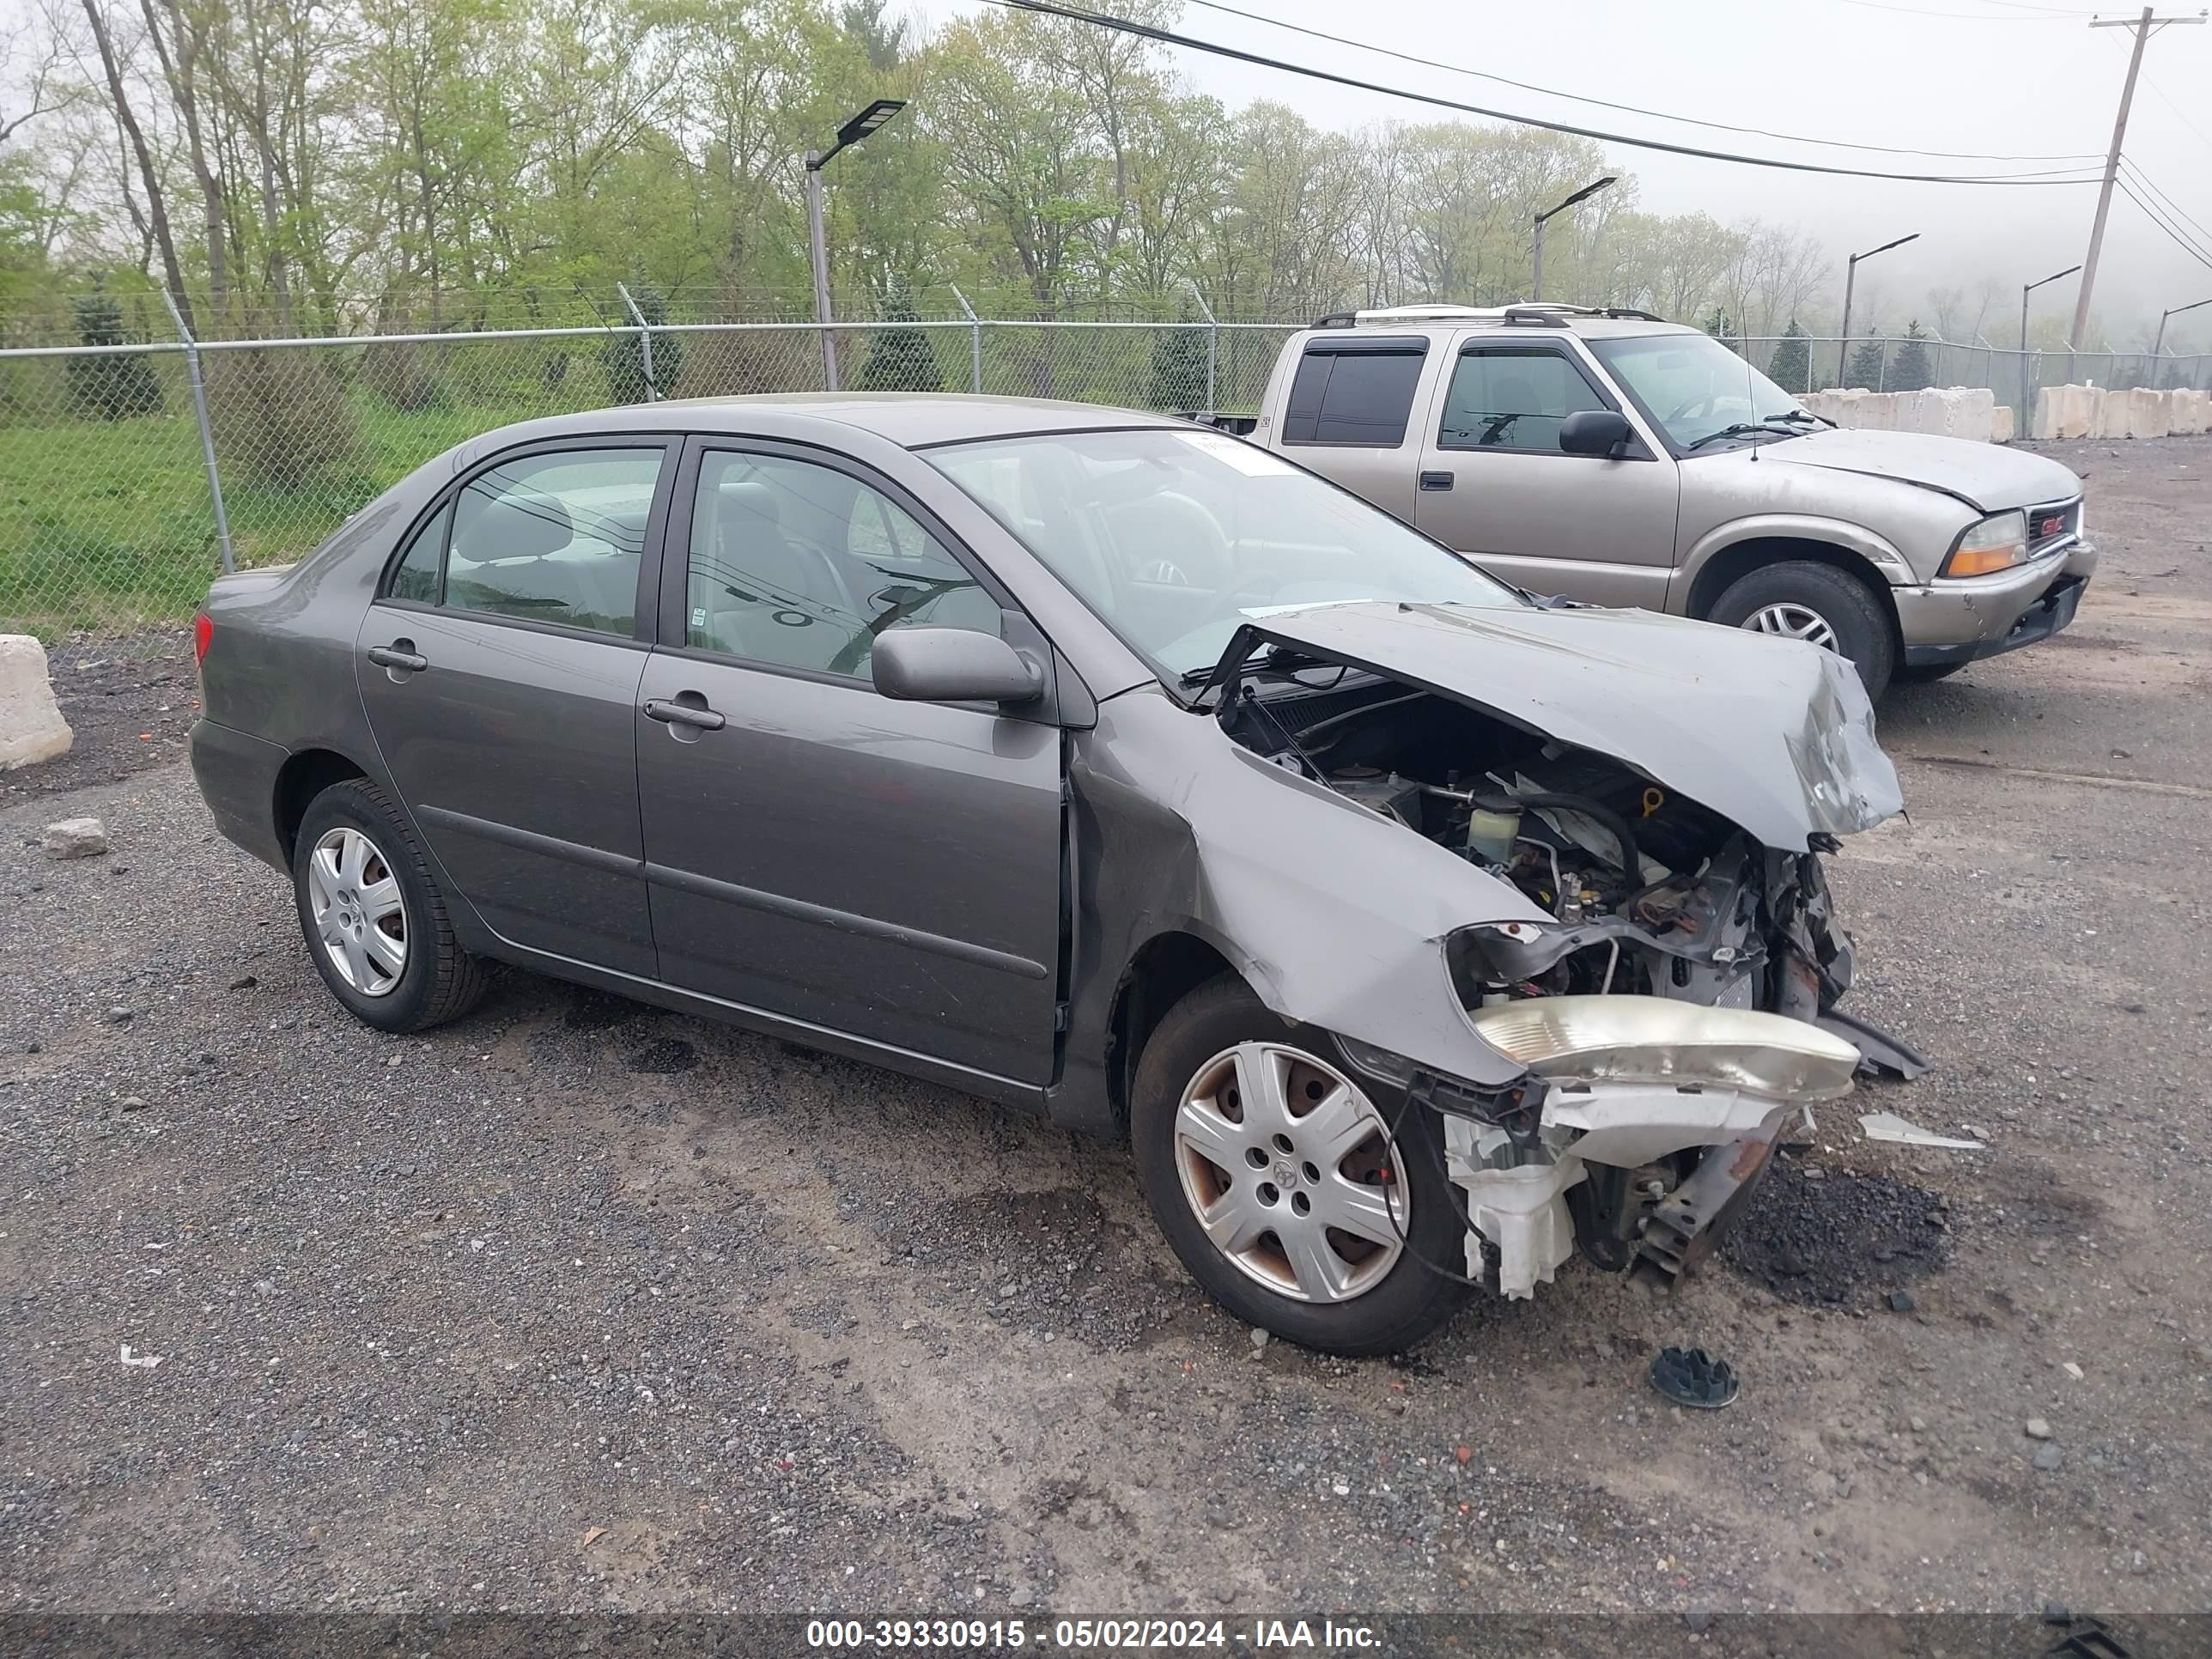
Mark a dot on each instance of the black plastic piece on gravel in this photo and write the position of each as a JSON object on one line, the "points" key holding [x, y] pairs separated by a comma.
{"points": [[1691, 1377]]}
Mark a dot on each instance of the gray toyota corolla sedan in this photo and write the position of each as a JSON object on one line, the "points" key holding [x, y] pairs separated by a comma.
{"points": [[1414, 933]]}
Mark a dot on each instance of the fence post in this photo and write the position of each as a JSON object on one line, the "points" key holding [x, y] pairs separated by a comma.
{"points": [[207, 433], [1212, 344], [645, 338], [974, 340]]}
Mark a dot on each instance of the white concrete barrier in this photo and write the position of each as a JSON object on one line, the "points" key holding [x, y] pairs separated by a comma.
{"points": [[2001, 427], [2191, 412], [2066, 411], [31, 725]]}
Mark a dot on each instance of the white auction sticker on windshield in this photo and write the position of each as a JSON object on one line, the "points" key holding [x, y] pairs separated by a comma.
{"points": [[1248, 458]]}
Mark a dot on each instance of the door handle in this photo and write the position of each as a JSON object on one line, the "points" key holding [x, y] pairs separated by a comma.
{"points": [[1436, 480], [400, 653], [683, 713]]}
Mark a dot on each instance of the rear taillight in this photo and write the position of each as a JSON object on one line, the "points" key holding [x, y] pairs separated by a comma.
{"points": [[203, 637]]}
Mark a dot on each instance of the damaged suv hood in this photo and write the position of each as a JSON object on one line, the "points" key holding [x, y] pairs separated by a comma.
{"points": [[1776, 735], [1991, 476]]}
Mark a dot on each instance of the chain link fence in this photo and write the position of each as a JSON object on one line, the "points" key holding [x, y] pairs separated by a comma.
{"points": [[1803, 363], [133, 473]]}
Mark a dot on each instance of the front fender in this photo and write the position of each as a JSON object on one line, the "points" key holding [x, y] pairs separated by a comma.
{"points": [[1877, 550]]}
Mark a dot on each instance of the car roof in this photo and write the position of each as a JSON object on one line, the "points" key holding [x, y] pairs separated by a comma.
{"points": [[912, 420]]}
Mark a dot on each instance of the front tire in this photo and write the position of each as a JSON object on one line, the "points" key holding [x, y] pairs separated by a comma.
{"points": [[374, 920], [1269, 1170], [1819, 604]]}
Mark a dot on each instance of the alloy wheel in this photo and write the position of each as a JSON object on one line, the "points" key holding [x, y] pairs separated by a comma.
{"points": [[1791, 620], [360, 922], [1291, 1172]]}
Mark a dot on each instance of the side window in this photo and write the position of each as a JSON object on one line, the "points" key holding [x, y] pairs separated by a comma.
{"points": [[1512, 399], [416, 576], [802, 566], [554, 537], [1361, 396]]}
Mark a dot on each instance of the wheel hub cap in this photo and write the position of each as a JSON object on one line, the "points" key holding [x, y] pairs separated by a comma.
{"points": [[1791, 620], [1291, 1173], [361, 922]]}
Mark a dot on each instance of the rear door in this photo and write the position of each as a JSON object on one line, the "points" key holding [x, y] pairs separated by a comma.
{"points": [[499, 668], [1494, 484], [886, 871], [1353, 413]]}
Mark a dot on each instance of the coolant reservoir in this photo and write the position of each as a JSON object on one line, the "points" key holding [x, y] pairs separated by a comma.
{"points": [[1490, 835]]}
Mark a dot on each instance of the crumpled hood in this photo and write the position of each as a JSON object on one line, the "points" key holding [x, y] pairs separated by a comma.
{"points": [[1991, 477], [1775, 735]]}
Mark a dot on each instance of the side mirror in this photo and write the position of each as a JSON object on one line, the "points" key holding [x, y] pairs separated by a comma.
{"points": [[953, 664], [1594, 432]]}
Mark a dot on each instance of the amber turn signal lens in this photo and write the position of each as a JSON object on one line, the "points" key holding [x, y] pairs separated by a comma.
{"points": [[1997, 543]]}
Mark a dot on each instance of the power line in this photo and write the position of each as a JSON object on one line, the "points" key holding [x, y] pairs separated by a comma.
{"points": [[2165, 200], [1630, 109], [2178, 239], [1169, 37]]}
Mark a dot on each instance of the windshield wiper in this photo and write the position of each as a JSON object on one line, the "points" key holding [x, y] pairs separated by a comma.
{"points": [[1794, 415], [1743, 429]]}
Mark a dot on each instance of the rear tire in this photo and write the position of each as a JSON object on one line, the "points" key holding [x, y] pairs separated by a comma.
{"points": [[1349, 1294], [1799, 597], [374, 920]]}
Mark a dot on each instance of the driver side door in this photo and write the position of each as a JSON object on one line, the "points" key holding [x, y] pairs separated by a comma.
{"points": [[1495, 486]]}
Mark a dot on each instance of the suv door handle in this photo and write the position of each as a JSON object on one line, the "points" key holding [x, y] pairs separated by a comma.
{"points": [[683, 713], [1436, 480], [399, 653]]}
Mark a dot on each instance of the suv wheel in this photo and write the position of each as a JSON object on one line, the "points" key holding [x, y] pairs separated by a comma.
{"points": [[1801, 600], [1280, 1186], [374, 920]]}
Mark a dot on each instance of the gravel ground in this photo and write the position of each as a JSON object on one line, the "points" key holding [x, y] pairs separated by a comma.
{"points": [[579, 1306]]}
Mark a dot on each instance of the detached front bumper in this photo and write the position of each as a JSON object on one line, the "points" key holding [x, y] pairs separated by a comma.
{"points": [[1959, 622]]}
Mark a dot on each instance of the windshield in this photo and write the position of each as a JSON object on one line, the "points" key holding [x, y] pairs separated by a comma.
{"points": [[1696, 387], [1177, 538]]}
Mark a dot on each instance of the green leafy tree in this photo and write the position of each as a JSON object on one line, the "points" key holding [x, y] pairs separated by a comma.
{"points": [[1865, 371], [1792, 367], [1911, 371], [624, 355], [1177, 380], [899, 359], [115, 388]]}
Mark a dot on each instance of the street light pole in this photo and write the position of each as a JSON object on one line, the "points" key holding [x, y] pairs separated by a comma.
{"points": [[2027, 289], [1536, 283], [818, 244], [2159, 345], [1850, 281]]}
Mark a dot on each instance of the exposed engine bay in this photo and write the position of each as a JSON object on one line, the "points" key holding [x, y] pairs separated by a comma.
{"points": [[1654, 894], [1637, 1133]]}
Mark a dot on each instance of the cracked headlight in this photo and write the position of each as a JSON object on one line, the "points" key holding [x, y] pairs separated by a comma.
{"points": [[1656, 1039]]}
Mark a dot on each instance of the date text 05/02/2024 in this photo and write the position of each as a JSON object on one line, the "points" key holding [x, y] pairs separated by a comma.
{"points": [[1089, 1635]]}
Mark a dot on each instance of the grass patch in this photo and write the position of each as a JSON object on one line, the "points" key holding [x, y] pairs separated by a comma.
{"points": [[107, 526]]}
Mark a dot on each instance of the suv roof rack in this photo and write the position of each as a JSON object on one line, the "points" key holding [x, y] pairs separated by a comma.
{"points": [[1521, 312]]}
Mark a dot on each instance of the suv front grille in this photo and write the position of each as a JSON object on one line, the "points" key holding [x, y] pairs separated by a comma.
{"points": [[2052, 524]]}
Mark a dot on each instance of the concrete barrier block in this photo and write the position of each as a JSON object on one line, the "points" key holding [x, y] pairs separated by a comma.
{"points": [[32, 728], [2111, 418], [2149, 413], [2066, 411], [1877, 410], [2192, 412], [2001, 425]]}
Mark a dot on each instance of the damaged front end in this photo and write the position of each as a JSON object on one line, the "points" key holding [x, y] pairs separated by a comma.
{"points": [[1654, 956]]}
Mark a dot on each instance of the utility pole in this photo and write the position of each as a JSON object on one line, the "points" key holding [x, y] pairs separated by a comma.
{"points": [[2144, 28]]}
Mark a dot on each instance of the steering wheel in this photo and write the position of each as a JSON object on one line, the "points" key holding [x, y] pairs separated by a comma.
{"points": [[1692, 406]]}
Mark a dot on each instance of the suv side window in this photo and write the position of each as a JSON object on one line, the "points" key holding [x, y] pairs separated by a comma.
{"points": [[1513, 398], [1354, 392], [801, 566]]}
